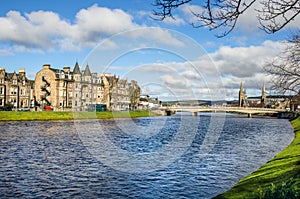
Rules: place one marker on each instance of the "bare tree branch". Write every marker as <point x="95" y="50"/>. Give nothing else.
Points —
<point x="285" y="69"/>
<point x="276" y="14"/>
<point x="217" y="14"/>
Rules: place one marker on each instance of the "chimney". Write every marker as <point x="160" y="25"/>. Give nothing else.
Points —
<point x="46" y="66"/>
<point x="66" y="69"/>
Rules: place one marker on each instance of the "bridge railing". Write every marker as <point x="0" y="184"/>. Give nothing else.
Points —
<point x="225" y="108"/>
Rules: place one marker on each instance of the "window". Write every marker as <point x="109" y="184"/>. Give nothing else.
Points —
<point x="13" y="91"/>
<point x="1" y="90"/>
<point x="75" y="103"/>
<point x="1" y="102"/>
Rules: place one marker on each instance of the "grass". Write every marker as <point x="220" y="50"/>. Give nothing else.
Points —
<point x="278" y="178"/>
<point x="49" y="115"/>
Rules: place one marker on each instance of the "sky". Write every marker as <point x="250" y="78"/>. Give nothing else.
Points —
<point x="170" y="59"/>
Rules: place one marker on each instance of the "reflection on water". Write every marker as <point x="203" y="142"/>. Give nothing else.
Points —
<point x="53" y="159"/>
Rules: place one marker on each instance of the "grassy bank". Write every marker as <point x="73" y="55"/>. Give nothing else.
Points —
<point x="43" y="116"/>
<point x="279" y="178"/>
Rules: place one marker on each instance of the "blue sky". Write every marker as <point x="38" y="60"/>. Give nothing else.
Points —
<point x="170" y="59"/>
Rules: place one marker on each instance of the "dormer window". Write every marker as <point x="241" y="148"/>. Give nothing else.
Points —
<point x="14" y="81"/>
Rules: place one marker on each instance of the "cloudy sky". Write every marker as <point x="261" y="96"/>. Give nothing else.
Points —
<point x="170" y="59"/>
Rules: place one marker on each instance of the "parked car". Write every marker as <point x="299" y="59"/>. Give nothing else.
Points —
<point x="24" y="109"/>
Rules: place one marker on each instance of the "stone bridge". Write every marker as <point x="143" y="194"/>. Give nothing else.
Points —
<point x="244" y="110"/>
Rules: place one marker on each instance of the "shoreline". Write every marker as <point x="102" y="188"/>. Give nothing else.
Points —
<point x="52" y="116"/>
<point x="278" y="178"/>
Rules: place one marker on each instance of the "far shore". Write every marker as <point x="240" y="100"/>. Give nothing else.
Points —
<point x="51" y="115"/>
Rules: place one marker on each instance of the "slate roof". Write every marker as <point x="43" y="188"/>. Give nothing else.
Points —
<point x="76" y="69"/>
<point x="87" y="71"/>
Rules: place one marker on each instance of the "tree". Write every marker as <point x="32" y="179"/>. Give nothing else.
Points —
<point x="272" y="16"/>
<point x="285" y="69"/>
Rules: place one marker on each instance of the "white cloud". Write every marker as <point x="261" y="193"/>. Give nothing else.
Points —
<point x="175" y="20"/>
<point x="189" y="12"/>
<point x="245" y="61"/>
<point x="46" y="30"/>
<point x="5" y="52"/>
<point x="176" y="81"/>
<point x="220" y="78"/>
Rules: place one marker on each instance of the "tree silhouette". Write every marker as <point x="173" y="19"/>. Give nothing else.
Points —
<point x="285" y="69"/>
<point x="273" y="15"/>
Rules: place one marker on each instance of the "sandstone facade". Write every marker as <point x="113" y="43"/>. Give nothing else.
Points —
<point x="76" y="90"/>
<point x="15" y="89"/>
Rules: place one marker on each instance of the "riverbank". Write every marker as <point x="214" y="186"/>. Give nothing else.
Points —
<point x="45" y="115"/>
<point x="278" y="178"/>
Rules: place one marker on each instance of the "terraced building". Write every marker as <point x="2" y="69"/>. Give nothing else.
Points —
<point x="65" y="89"/>
<point x="16" y="90"/>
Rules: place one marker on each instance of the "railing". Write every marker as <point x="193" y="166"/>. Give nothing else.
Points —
<point x="221" y="108"/>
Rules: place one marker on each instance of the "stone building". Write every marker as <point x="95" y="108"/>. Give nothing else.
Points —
<point x="77" y="89"/>
<point x="243" y="101"/>
<point x="15" y="89"/>
<point x="263" y="100"/>
<point x="53" y="87"/>
<point x="119" y="94"/>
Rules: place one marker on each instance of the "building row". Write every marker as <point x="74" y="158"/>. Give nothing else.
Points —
<point x="66" y="89"/>
<point x="288" y="102"/>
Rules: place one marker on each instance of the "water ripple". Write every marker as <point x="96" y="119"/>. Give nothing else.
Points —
<point x="49" y="160"/>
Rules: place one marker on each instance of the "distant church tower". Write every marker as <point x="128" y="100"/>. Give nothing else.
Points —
<point x="242" y="96"/>
<point x="263" y="96"/>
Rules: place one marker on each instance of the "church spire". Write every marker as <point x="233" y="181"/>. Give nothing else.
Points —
<point x="263" y="96"/>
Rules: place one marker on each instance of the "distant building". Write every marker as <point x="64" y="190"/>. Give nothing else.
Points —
<point x="15" y="89"/>
<point x="243" y="100"/>
<point x="295" y="103"/>
<point x="149" y="103"/>
<point x="264" y="101"/>
<point x="76" y="90"/>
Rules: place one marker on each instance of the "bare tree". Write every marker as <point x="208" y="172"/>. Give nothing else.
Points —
<point x="272" y="16"/>
<point x="285" y="69"/>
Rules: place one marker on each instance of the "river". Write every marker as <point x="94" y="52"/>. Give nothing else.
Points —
<point x="153" y="157"/>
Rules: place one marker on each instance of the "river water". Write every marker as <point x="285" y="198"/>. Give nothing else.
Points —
<point x="151" y="157"/>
